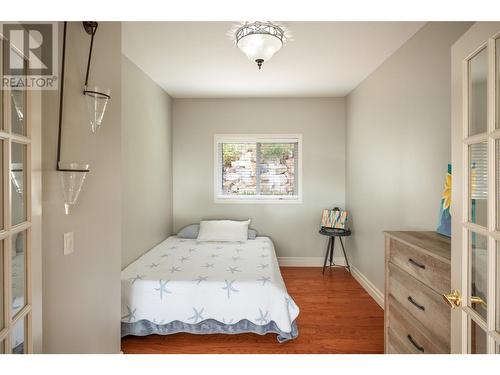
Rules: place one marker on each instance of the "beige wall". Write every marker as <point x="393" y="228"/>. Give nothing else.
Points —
<point x="398" y="144"/>
<point x="81" y="291"/>
<point x="146" y="163"/>
<point x="292" y="227"/>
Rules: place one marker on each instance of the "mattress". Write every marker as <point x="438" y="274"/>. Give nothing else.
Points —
<point x="182" y="285"/>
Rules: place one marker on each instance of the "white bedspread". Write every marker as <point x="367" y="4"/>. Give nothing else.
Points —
<point x="192" y="281"/>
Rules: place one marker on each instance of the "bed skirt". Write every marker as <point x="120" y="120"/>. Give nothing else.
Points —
<point x="209" y="326"/>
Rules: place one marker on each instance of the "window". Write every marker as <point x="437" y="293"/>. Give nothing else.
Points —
<point x="251" y="168"/>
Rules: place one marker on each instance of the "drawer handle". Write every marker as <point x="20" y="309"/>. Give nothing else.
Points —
<point x="417" y="305"/>
<point x="419" y="265"/>
<point x="418" y="347"/>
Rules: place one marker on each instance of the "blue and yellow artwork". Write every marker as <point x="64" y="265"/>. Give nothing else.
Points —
<point x="444" y="225"/>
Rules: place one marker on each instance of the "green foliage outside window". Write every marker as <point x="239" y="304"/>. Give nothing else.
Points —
<point x="276" y="151"/>
<point x="229" y="153"/>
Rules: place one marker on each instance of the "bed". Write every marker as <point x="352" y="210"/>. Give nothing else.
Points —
<point x="182" y="285"/>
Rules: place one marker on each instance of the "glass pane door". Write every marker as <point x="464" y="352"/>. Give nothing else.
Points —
<point x="478" y="190"/>
<point x="18" y="337"/>
<point x="495" y="324"/>
<point x="478" y="263"/>
<point x="18" y="266"/>
<point x="478" y="183"/>
<point x="478" y="91"/>
<point x="497" y="289"/>
<point x="497" y="82"/>
<point x="2" y="292"/>
<point x="18" y="180"/>
<point x="481" y="250"/>
<point x="477" y="339"/>
<point x="18" y="111"/>
<point x="15" y="218"/>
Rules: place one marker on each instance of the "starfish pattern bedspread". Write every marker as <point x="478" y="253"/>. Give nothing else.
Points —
<point x="182" y="280"/>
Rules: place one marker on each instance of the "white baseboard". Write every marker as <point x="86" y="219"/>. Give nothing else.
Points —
<point x="367" y="285"/>
<point x="370" y="288"/>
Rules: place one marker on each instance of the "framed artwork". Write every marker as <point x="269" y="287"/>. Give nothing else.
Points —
<point x="334" y="218"/>
<point x="444" y="223"/>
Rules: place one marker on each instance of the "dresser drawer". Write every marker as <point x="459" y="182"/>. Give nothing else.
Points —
<point x="421" y="302"/>
<point x="395" y="346"/>
<point x="413" y="336"/>
<point x="424" y="267"/>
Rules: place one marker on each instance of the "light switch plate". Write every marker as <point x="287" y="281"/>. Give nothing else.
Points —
<point x="69" y="243"/>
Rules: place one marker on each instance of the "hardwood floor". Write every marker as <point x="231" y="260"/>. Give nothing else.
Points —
<point x="336" y="316"/>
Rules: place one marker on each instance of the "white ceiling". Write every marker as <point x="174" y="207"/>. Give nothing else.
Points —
<point x="199" y="59"/>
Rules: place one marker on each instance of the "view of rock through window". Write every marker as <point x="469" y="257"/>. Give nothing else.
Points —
<point x="259" y="168"/>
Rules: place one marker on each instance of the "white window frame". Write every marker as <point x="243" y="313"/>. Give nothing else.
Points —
<point x="250" y="138"/>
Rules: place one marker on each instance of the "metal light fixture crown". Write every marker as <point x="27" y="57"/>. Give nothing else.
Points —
<point x="260" y="40"/>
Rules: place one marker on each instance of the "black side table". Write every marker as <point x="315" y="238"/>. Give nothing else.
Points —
<point x="333" y="233"/>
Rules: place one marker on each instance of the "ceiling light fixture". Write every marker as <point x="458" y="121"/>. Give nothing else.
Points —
<point x="260" y="40"/>
<point x="73" y="174"/>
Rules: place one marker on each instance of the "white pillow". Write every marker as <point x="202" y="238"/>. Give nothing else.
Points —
<point x="223" y="230"/>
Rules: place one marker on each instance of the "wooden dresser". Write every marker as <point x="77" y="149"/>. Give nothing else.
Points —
<point x="417" y="273"/>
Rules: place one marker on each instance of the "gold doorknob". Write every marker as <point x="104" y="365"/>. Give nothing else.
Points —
<point x="477" y="300"/>
<point x="454" y="299"/>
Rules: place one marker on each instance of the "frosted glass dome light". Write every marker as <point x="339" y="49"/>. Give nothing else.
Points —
<point x="259" y="40"/>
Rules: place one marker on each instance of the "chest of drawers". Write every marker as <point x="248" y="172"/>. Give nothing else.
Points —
<point x="417" y="273"/>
